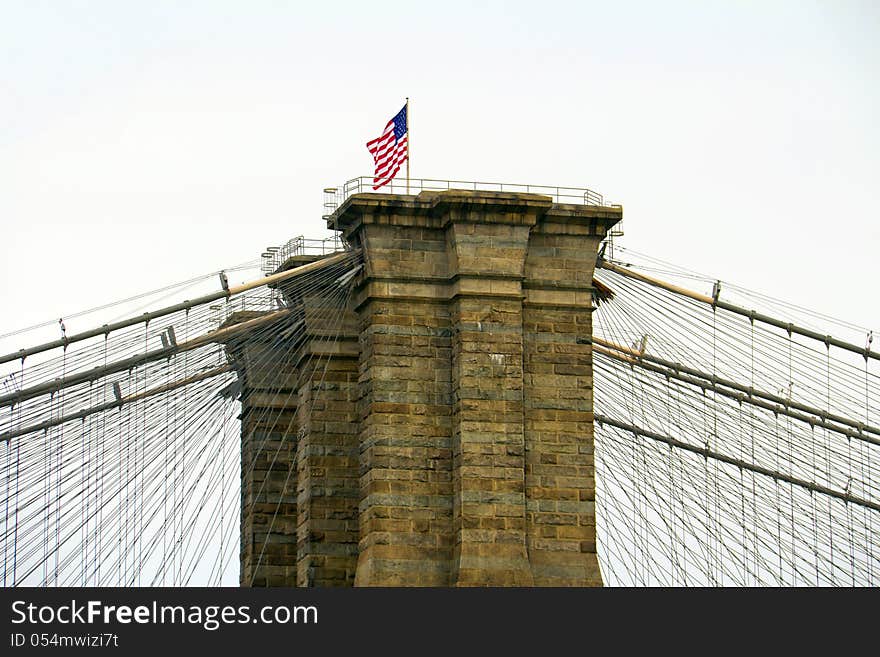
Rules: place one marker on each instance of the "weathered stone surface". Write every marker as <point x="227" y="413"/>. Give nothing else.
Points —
<point x="558" y="407"/>
<point x="327" y="448"/>
<point x="405" y="443"/>
<point x="452" y="444"/>
<point x="268" y="483"/>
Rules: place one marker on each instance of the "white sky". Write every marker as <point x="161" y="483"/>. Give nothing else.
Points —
<point x="144" y="143"/>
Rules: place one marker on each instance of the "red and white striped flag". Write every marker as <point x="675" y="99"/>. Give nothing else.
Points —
<point x="389" y="150"/>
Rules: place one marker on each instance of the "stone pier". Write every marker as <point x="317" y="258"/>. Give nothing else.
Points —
<point x="448" y="440"/>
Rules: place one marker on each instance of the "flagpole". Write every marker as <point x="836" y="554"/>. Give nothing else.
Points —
<point x="408" y="145"/>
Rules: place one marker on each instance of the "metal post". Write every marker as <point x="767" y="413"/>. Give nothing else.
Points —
<point x="408" y="145"/>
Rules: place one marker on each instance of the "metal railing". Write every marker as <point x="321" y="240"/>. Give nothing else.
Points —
<point x="275" y="256"/>
<point x="336" y="196"/>
<point x="262" y="303"/>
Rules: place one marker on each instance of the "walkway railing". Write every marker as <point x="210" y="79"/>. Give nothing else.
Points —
<point x="336" y="196"/>
<point x="275" y="256"/>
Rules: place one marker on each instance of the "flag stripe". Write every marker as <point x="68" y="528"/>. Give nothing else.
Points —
<point x="383" y="158"/>
<point x="390" y="149"/>
<point x="398" y="156"/>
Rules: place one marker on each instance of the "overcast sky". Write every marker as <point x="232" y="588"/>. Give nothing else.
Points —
<point x="144" y="143"/>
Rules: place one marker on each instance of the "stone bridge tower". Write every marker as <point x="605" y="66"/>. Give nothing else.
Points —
<point x="453" y="445"/>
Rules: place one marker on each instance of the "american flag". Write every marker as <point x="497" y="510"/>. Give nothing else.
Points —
<point x="389" y="150"/>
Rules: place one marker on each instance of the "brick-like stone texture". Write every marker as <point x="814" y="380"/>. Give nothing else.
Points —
<point x="327" y="481"/>
<point x="487" y="364"/>
<point x="405" y="444"/>
<point x="558" y="417"/>
<point x="447" y="440"/>
<point x="327" y="446"/>
<point x="405" y="410"/>
<point x="268" y="484"/>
